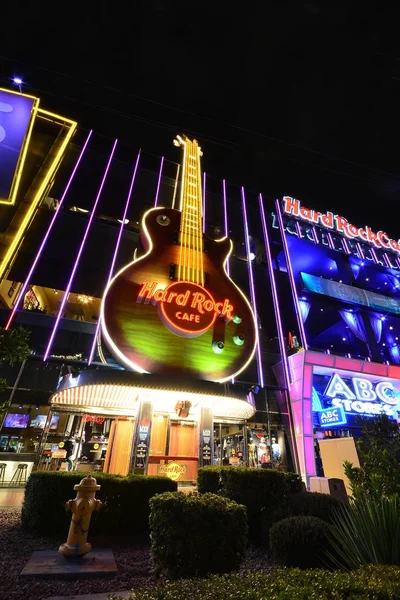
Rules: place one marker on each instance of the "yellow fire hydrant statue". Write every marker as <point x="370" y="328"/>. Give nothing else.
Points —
<point x="82" y="508"/>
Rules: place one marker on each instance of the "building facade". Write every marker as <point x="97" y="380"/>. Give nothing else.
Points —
<point x="159" y="354"/>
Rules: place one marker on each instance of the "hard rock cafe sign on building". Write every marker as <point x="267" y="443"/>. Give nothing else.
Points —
<point x="180" y="326"/>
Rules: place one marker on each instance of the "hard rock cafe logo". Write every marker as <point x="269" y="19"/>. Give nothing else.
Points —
<point x="173" y="470"/>
<point x="186" y="308"/>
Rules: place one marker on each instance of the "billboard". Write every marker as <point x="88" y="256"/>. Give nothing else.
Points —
<point x="17" y="112"/>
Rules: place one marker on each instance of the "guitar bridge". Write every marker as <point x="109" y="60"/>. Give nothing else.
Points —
<point x="192" y="274"/>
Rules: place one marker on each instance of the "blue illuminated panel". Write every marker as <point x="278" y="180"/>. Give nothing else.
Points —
<point x="348" y="293"/>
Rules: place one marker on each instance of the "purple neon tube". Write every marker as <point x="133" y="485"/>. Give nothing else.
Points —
<point x="225" y="218"/>
<point x="114" y="258"/>
<point x="251" y="280"/>
<point x="22" y="291"/>
<point x="204" y="202"/>
<point x="66" y="294"/>
<point x="274" y="290"/>
<point x="291" y="276"/>
<point x="159" y="181"/>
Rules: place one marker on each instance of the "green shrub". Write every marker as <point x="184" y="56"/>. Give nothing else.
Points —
<point x="193" y="536"/>
<point x="367" y="531"/>
<point x="261" y="491"/>
<point x="209" y="480"/>
<point x="311" y="504"/>
<point x="295" y="482"/>
<point x="371" y="583"/>
<point x="125" y="509"/>
<point x="299" y="542"/>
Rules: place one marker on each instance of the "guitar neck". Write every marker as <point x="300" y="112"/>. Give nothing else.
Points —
<point x="191" y="196"/>
<point x="191" y="228"/>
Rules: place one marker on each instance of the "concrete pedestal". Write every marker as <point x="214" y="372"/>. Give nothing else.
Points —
<point x="99" y="563"/>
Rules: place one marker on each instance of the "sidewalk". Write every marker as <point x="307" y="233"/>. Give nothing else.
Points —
<point x="11" y="497"/>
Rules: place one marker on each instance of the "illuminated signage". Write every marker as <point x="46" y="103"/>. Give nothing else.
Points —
<point x="362" y="397"/>
<point x="15" y="124"/>
<point x="339" y="224"/>
<point x="186" y="308"/>
<point x="173" y="470"/>
<point x="332" y="416"/>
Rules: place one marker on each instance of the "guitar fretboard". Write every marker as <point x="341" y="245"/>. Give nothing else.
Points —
<point x="190" y="266"/>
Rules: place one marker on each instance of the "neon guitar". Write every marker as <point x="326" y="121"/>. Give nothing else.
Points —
<point x="174" y="310"/>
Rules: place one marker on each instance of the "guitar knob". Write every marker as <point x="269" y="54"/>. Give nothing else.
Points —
<point x="238" y="339"/>
<point x="163" y="220"/>
<point x="218" y="347"/>
<point x="237" y="319"/>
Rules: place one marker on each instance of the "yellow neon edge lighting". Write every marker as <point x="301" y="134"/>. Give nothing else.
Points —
<point x="21" y="161"/>
<point x="36" y="200"/>
<point x="129" y="364"/>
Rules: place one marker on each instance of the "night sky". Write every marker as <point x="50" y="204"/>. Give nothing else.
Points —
<point x="285" y="97"/>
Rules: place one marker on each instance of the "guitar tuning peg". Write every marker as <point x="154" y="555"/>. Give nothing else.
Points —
<point x="176" y="143"/>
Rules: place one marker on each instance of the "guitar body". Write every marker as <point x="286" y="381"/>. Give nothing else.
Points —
<point x="141" y="335"/>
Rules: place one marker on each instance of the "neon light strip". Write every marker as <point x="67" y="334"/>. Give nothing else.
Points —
<point x="252" y="288"/>
<point x="387" y="261"/>
<point x="38" y="196"/>
<point x="226" y="228"/>
<point x="225" y="219"/>
<point x="281" y="337"/>
<point x="204" y="202"/>
<point x="346" y="246"/>
<point x="298" y="229"/>
<point x="159" y="180"/>
<point x="374" y="256"/>
<point x="291" y="276"/>
<point x="330" y="240"/>
<point x="116" y="249"/>
<point x="360" y="250"/>
<point x="315" y="236"/>
<point x="66" y="294"/>
<point x="22" y="291"/>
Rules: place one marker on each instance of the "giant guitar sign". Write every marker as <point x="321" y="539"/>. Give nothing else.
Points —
<point x="174" y="310"/>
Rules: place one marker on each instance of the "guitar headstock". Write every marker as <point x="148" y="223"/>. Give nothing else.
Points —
<point x="180" y="141"/>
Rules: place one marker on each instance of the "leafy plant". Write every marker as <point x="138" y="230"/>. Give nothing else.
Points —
<point x="14" y="346"/>
<point x="193" y="536"/>
<point x="299" y="542"/>
<point x="379" y="452"/>
<point x="370" y="583"/>
<point x="366" y="531"/>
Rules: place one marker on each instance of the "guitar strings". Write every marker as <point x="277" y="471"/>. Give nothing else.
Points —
<point x="181" y="208"/>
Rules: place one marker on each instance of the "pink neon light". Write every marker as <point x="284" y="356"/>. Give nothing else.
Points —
<point x="309" y="456"/>
<point x="360" y="250"/>
<point x="278" y="319"/>
<point x="226" y="232"/>
<point x="159" y="181"/>
<point x="225" y="218"/>
<point x="110" y="274"/>
<point x="291" y="276"/>
<point x="204" y="202"/>
<point x="330" y="240"/>
<point x="251" y="280"/>
<point x="22" y="291"/>
<point x="66" y="294"/>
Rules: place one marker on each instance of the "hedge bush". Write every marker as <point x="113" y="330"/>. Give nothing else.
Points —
<point x="125" y="509"/>
<point x="261" y="491"/>
<point x="193" y="536"/>
<point x="300" y="542"/>
<point x="312" y="504"/>
<point x="369" y="583"/>
<point x="209" y="480"/>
